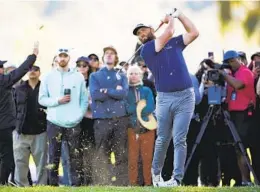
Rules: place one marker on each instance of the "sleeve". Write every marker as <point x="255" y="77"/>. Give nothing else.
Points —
<point x="83" y="97"/>
<point x="44" y="97"/>
<point x="150" y="107"/>
<point x="15" y="75"/>
<point x="246" y="77"/>
<point x="94" y="89"/>
<point x="148" y="52"/>
<point x="178" y="41"/>
<point x="119" y="94"/>
<point x="195" y="84"/>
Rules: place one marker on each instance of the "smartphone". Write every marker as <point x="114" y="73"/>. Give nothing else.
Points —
<point x="210" y="54"/>
<point x="67" y="91"/>
<point x="257" y="64"/>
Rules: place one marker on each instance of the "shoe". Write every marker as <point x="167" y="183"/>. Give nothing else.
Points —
<point x="247" y="184"/>
<point x="157" y="180"/>
<point x="171" y="183"/>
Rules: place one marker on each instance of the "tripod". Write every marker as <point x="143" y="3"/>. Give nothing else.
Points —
<point x="233" y="131"/>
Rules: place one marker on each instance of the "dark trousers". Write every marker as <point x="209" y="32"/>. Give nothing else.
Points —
<point x="56" y="135"/>
<point x="111" y="136"/>
<point x="6" y="154"/>
<point x="87" y="149"/>
<point x="192" y="173"/>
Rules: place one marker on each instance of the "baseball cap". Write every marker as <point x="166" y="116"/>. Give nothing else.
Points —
<point x="84" y="59"/>
<point x="255" y="54"/>
<point x="63" y="51"/>
<point x="230" y="55"/>
<point x="93" y="55"/>
<point x="110" y="48"/>
<point x="140" y="26"/>
<point x="242" y="54"/>
<point x="35" y="68"/>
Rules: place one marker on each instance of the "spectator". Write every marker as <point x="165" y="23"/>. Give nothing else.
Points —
<point x="108" y="91"/>
<point x="243" y="58"/>
<point x="93" y="62"/>
<point x="63" y="92"/>
<point x="30" y="135"/>
<point x="140" y="139"/>
<point x="55" y="62"/>
<point x="87" y="136"/>
<point x="241" y="99"/>
<point x="7" y="114"/>
<point x="124" y="65"/>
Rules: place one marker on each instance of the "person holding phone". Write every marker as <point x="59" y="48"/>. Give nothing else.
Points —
<point x="63" y="92"/>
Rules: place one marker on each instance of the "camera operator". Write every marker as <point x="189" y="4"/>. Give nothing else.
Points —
<point x="241" y="102"/>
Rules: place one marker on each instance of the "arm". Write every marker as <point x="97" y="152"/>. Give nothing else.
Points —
<point x="149" y="103"/>
<point x="192" y="31"/>
<point x="119" y="94"/>
<point x="94" y="89"/>
<point x="195" y="83"/>
<point x="161" y="41"/>
<point x="83" y="97"/>
<point x="44" y="97"/>
<point x="15" y="75"/>
<point x="233" y="82"/>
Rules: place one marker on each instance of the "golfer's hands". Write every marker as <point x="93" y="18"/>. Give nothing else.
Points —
<point x="36" y="48"/>
<point x="167" y="19"/>
<point x="175" y="13"/>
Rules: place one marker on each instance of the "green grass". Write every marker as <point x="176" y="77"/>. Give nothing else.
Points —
<point x="126" y="189"/>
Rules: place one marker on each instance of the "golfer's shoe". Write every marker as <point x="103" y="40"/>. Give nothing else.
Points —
<point x="157" y="180"/>
<point x="171" y="183"/>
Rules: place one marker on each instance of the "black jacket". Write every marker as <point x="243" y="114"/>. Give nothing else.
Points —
<point x="38" y="122"/>
<point x="7" y="105"/>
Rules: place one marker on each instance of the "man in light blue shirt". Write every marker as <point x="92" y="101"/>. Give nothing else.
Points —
<point x="63" y="92"/>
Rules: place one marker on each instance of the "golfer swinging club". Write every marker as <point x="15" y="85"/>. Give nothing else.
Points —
<point x="175" y="99"/>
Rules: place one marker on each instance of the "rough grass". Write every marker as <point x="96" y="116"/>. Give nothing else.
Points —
<point x="126" y="189"/>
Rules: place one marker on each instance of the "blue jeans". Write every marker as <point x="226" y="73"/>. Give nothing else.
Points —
<point x="174" y="112"/>
<point x="65" y="159"/>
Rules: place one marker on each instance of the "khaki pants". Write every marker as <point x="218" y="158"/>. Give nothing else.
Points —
<point x="142" y="144"/>
<point x="24" y="145"/>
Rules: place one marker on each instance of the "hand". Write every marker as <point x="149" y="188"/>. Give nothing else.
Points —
<point x="36" y="48"/>
<point x="119" y="87"/>
<point x="167" y="18"/>
<point x="175" y="13"/>
<point x="65" y="99"/>
<point x="204" y="79"/>
<point x="103" y="90"/>
<point x="256" y="69"/>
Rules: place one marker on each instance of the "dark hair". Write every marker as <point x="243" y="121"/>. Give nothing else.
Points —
<point x="53" y="60"/>
<point x="200" y="71"/>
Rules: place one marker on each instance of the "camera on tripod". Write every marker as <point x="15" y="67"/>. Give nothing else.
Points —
<point x="217" y="91"/>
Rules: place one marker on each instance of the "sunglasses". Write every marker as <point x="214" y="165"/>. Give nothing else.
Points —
<point x="93" y="58"/>
<point x="82" y="65"/>
<point x="64" y="50"/>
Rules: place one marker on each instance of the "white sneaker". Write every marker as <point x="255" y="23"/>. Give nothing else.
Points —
<point x="157" y="180"/>
<point x="171" y="183"/>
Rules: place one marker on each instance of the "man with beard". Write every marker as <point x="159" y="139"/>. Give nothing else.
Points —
<point x="109" y="90"/>
<point x="63" y="92"/>
<point x="8" y="113"/>
<point x="175" y="97"/>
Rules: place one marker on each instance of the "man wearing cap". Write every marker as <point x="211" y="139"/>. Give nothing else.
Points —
<point x="241" y="102"/>
<point x="108" y="90"/>
<point x="29" y="137"/>
<point x="175" y="98"/>
<point x="63" y="92"/>
<point x="8" y="113"/>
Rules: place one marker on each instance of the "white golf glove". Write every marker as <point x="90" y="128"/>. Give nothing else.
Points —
<point x="175" y="13"/>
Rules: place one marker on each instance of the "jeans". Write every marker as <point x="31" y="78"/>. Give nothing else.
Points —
<point x="174" y="112"/>
<point x="65" y="160"/>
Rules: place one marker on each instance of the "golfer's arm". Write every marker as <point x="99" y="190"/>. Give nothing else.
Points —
<point x="192" y="31"/>
<point x="161" y="41"/>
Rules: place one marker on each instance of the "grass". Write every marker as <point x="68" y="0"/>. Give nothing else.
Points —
<point x="126" y="189"/>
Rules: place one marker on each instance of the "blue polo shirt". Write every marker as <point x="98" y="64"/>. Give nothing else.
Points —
<point x="168" y="66"/>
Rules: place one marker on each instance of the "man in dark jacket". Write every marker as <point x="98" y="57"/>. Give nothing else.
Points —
<point x="8" y="114"/>
<point x="108" y="91"/>
<point x="30" y="135"/>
